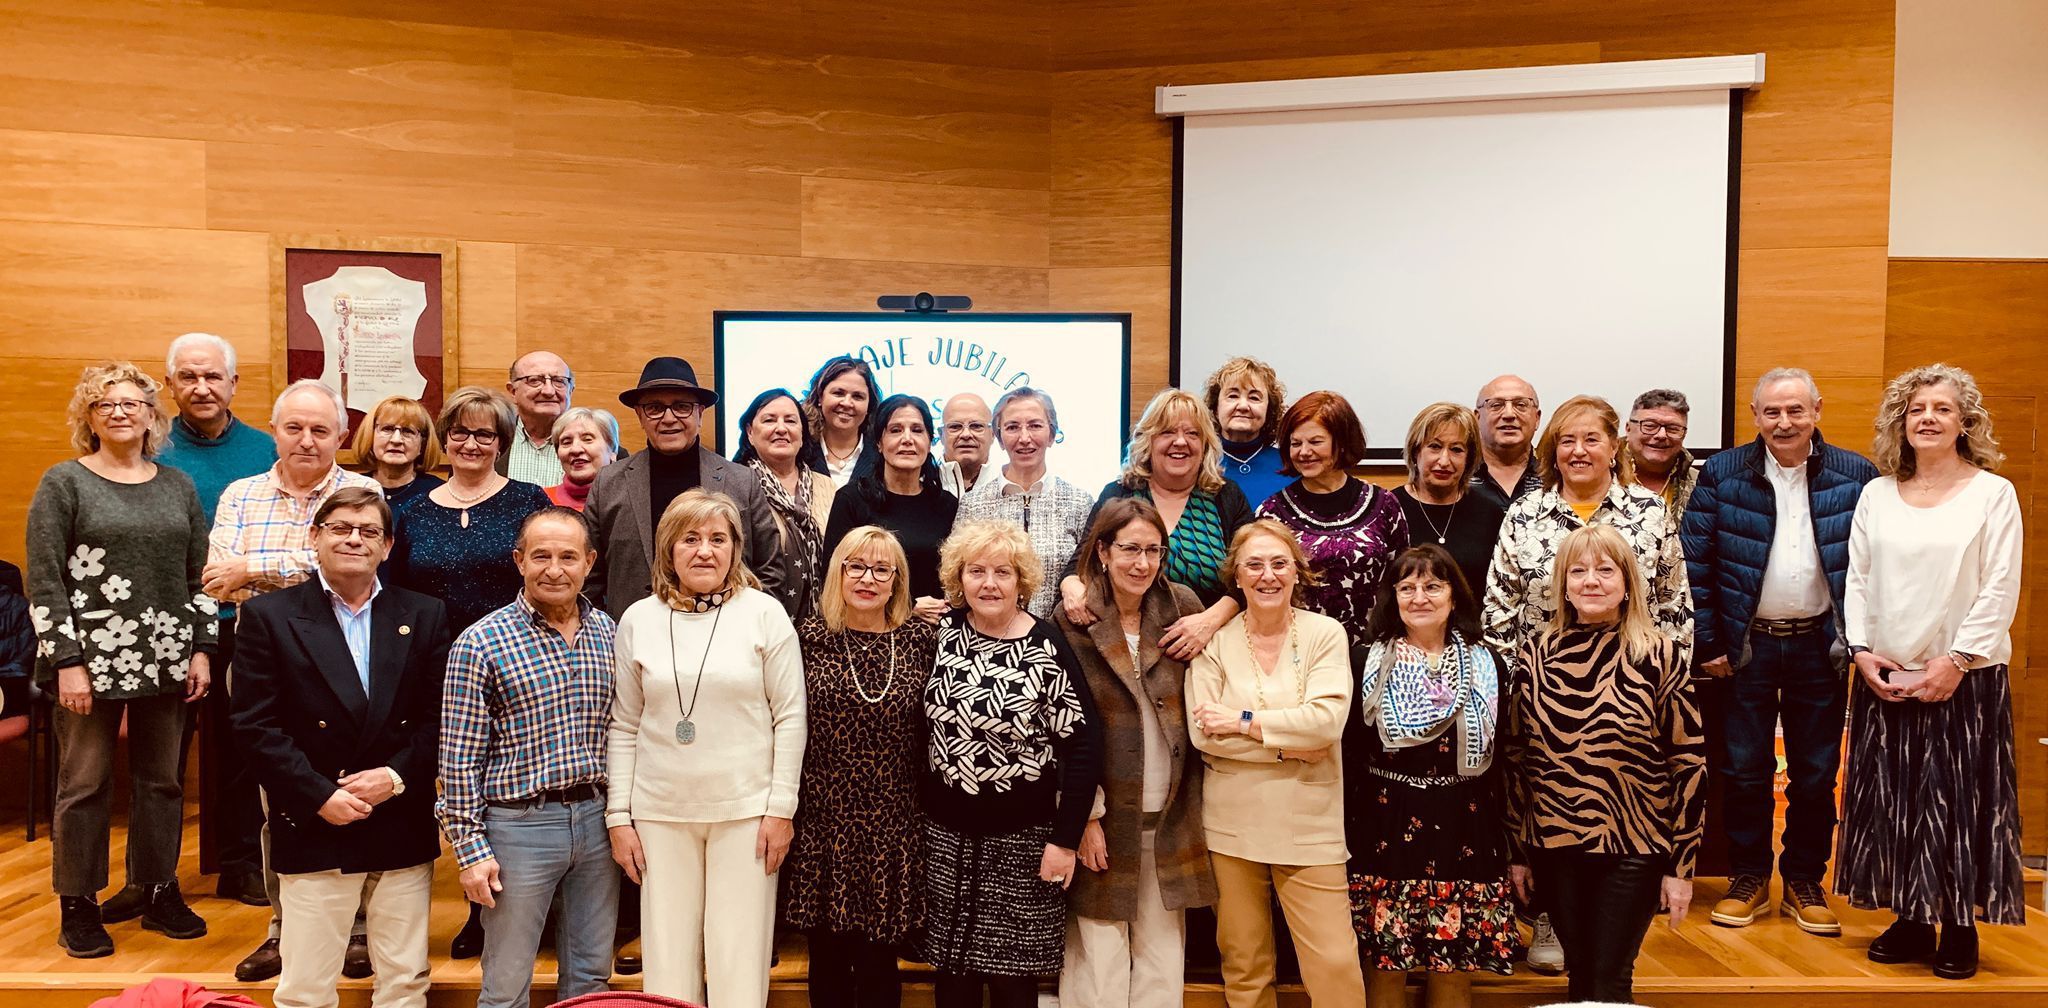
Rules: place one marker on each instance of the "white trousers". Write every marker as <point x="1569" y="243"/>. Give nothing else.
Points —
<point x="1138" y="963"/>
<point x="707" y="913"/>
<point x="317" y="911"/>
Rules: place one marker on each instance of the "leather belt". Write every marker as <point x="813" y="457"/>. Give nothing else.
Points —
<point x="561" y="796"/>
<point x="1789" y="627"/>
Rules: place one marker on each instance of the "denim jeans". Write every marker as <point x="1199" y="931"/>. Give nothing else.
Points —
<point x="1795" y="681"/>
<point x="541" y="847"/>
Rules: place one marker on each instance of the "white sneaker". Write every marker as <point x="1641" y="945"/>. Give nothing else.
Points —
<point x="1546" y="956"/>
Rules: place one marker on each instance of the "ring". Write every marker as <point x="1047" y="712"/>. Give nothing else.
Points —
<point x="1059" y="878"/>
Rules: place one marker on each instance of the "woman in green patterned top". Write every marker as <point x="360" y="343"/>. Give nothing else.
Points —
<point x="1172" y="464"/>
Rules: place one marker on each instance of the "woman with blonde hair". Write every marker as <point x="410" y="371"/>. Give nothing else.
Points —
<point x="395" y="445"/>
<point x="1607" y="760"/>
<point x="116" y="546"/>
<point x="1442" y="453"/>
<point x="1930" y="813"/>
<point x="1267" y="701"/>
<point x="707" y="747"/>
<point x="856" y="874"/>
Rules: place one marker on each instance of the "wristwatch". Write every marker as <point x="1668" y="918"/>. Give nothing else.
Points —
<point x="397" y="782"/>
<point x="1244" y="721"/>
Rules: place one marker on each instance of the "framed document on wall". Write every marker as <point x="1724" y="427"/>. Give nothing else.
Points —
<point x="370" y="317"/>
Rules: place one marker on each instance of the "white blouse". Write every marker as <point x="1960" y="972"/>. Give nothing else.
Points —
<point x="1924" y="581"/>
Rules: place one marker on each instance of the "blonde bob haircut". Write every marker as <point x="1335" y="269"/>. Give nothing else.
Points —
<point x="1639" y="635"/>
<point x="695" y="509"/>
<point x="473" y="401"/>
<point x="875" y="541"/>
<point x="1576" y="410"/>
<point x="1976" y="444"/>
<point x="398" y="411"/>
<point x="1167" y="410"/>
<point x="971" y="540"/>
<point x="1304" y="576"/>
<point x="93" y="384"/>
<point x="1464" y="426"/>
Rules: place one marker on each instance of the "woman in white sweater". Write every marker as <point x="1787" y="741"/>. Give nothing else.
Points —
<point x="1931" y="811"/>
<point x="707" y="748"/>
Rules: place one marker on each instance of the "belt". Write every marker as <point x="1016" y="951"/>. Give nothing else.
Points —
<point x="561" y="796"/>
<point x="1421" y="782"/>
<point x="1789" y="627"/>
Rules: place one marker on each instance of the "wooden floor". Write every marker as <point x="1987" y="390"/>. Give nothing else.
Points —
<point x="1769" y="964"/>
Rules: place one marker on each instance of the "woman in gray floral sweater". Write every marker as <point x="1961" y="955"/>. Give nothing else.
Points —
<point x="116" y="544"/>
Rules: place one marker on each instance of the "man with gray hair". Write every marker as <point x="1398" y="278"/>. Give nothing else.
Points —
<point x="1656" y="444"/>
<point x="540" y="384"/>
<point x="1767" y="554"/>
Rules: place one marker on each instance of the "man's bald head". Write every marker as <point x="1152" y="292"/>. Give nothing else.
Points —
<point x="968" y="428"/>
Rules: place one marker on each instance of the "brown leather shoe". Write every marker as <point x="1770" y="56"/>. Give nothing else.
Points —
<point x="261" y="964"/>
<point x="1748" y="895"/>
<point x="1807" y="905"/>
<point x="355" y="963"/>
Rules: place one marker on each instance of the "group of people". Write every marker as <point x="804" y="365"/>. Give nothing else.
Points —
<point x="971" y="714"/>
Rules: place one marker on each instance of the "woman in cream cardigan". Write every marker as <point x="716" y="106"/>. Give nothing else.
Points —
<point x="707" y="748"/>
<point x="1267" y="700"/>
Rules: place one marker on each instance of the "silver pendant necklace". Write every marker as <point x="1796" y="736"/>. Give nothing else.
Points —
<point x="1244" y="465"/>
<point x="1441" y="533"/>
<point x="686" y="729"/>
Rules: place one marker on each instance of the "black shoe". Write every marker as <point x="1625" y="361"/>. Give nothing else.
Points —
<point x="469" y="942"/>
<point x="1956" y="959"/>
<point x="246" y="886"/>
<point x="627" y="965"/>
<point x="261" y="964"/>
<point x="168" y="913"/>
<point x="81" y="935"/>
<point x="355" y="964"/>
<point x="1904" y="941"/>
<point x="125" y="905"/>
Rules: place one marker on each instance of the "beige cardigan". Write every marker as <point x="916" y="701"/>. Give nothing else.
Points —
<point x="1254" y="805"/>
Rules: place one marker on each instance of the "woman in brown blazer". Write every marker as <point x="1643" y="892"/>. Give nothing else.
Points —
<point x="1143" y="846"/>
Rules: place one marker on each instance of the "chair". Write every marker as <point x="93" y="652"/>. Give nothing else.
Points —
<point x="32" y="724"/>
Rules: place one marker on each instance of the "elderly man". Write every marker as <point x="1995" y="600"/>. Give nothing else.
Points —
<point x="1767" y="553"/>
<point x="338" y="707"/>
<point x="1656" y="444"/>
<point x="263" y="540"/>
<point x="524" y="712"/>
<point x="540" y="384"/>
<point x="1510" y="418"/>
<point x="967" y="428"/>
<point x="627" y="498"/>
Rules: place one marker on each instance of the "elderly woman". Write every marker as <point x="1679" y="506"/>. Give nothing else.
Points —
<point x="707" y="744"/>
<point x="586" y="439"/>
<point x="1245" y="399"/>
<point x="1349" y="529"/>
<point x="1442" y="452"/>
<point x="1011" y="770"/>
<point x="1052" y="511"/>
<point x="395" y="446"/>
<point x="778" y="446"/>
<point x="896" y="486"/>
<point x="1930" y="817"/>
<point x="1422" y="795"/>
<point x="856" y="876"/>
<point x="1605" y="807"/>
<point x="116" y="544"/>
<point x="455" y="543"/>
<point x="840" y="411"/>
<point x="1143" y="848"/>
<point x="1172" y="466"/>
<point x="1266" y="704"/>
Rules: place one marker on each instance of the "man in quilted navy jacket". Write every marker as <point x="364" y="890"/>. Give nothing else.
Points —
<point x="1767" y="552"/>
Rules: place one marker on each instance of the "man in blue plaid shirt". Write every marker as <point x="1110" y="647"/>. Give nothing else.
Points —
<point x="525" y="708"/>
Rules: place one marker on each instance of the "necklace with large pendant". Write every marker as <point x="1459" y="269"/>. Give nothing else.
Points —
<point x="686" y="729"/>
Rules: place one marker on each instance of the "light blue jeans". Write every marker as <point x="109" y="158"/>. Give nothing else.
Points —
<point x="540" y="848"/>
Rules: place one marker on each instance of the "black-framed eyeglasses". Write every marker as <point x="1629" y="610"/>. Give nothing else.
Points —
<point x="342" y="530"/>
<point x="654" y="411"/>
<point x="482" y="437"/>
<point x="1651" y="428"/>
<point x="882" y="573"/>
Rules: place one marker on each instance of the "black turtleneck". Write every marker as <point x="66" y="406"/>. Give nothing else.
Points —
<point x="669" y="475"/>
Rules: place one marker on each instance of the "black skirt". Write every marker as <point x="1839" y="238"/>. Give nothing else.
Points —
<point x="986" y="909"/>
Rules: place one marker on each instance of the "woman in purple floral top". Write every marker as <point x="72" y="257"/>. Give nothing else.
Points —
<point x="1351" y="530"/>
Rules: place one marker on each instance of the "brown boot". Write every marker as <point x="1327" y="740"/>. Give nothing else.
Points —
<point x="1748" y="895"/>
<point x="1808" y="907"/>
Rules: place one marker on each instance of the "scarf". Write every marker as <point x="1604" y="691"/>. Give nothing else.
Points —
<point x="703" y="602"/>
<point x="1398" y="693"/>
<point x="802" y="541"/>
<point x="1195" y="550"/>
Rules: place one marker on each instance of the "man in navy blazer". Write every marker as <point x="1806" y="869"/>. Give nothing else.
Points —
<point x="337" y="706"/>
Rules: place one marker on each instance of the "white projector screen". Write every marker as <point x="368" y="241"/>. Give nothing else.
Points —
<point x="1081" y="361"/>
<point x="1406" y="254"/>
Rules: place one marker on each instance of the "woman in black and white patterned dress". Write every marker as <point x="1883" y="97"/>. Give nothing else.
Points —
<point x="1012" y="769"/>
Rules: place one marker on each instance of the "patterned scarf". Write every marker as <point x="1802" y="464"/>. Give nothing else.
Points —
<point x="1195" y="550"/>
<point x="802" y="540"/>
<point x="1412" y="707"/>
<point x="704" y="602"/>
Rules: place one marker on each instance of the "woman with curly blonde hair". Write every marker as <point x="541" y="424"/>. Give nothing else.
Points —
<point x="116" y="545"/>
<point x="1931" y="822"/>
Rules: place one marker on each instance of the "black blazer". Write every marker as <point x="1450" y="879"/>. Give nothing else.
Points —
<point x="303" y="722"/>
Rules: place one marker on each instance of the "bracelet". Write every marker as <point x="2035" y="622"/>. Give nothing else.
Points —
<point x="1961" y="659"/>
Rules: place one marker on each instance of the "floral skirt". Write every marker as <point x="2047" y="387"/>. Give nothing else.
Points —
<point x="1442" y="927"/>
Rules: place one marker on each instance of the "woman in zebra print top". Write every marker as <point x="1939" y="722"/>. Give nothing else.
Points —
<point x="1605" y="805"/>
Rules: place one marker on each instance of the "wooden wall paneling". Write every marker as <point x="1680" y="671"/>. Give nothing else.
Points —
<point x="1141" y="290"/>
<point x="76" y="289"/>
<point x="928" y="122"/>
<point x="849" y="219"/>
<point x="1131" y="226"/>
<point x="87" y="179"/>
<point x="489" y="272"/>
<point x="1820" y="309"/>
<point x="1816" y="204"/>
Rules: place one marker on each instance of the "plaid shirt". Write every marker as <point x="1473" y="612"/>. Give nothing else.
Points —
<point x="522" y="711"/>
<point x="273" y="529"/>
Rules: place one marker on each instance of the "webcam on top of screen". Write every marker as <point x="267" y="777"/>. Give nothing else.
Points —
<point x="924" y="303"/>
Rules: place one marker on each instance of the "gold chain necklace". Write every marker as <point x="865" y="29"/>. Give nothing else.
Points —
<point x="1293" y="653"/>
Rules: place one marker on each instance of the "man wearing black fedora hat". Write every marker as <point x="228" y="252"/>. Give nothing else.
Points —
<point x="629" y="496"/>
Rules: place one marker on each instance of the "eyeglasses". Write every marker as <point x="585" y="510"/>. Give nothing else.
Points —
<point x="482" y="437"/>
<point x="397" y="433"/>
<point x="1434" y="589"/>
<point x="342" y="530"/>
<point x="108" y="407"/>
<point x="541" y="381"/>
<point x="1519" y="405"/>
<point x="1651" y="428"/>
<point x="882" y="573"/>
<point x="654" y="411"/>
<point x="956" y="427"/>
<point x="1132" y="551"/>
<point x="1015" y="428"/>
<point x="1258" y="567"/>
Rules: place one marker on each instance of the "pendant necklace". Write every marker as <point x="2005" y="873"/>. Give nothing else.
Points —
<point x="853" y="670"/>
<point x="1441" y="533"/>
<point x="1293" y="653"/>
<point x="1244" y="465"/>
<point x="686" y="729"/>
<point x="467" y="501"/>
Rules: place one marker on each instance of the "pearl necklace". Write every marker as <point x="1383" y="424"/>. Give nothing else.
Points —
<point x="853" y="670"/>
